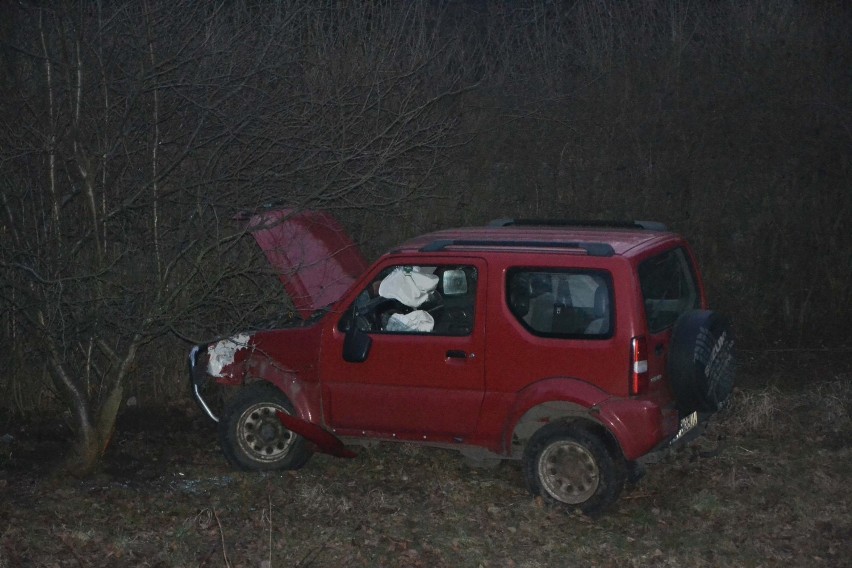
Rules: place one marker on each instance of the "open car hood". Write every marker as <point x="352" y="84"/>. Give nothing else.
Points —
<point x="314" y="256"/>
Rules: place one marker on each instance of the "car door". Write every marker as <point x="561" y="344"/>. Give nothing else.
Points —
<point x="428" y="381"/>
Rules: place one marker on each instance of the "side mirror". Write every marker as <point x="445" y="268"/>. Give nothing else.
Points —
<point x="356" y="345"/>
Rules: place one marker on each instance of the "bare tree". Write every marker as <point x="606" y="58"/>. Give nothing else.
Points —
<point x="133" y="134"/>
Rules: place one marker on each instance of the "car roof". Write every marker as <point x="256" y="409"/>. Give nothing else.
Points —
<point x="591" y="240"/>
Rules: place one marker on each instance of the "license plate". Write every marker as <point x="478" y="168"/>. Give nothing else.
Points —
<point x="687" y="423"/>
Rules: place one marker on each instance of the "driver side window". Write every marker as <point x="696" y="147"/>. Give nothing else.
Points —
<point x="435" y="300"/>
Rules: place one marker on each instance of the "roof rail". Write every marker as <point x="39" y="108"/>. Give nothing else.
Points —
<point x="592" y="249"/>
<point x="647" y="225"/>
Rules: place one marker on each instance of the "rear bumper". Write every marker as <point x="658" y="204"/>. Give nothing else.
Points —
<point x="640" y="426"/>
<point x="199" y="379"/>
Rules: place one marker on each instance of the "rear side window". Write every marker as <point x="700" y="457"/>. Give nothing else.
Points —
<point x="668" y="287"/>
<point x="558" y="303"/>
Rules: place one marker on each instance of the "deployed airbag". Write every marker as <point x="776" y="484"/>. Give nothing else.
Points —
<point x="418" y="320"/>
<point x="409" y="285"/>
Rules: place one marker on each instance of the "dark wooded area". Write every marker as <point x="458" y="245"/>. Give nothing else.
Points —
<point x="132" y="134"/>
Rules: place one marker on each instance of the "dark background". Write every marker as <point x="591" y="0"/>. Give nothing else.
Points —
<point x="131" y="134"/>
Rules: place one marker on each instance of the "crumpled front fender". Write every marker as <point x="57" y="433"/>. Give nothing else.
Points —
<point x="324" y="440"/>
<point x="224" y="355"/>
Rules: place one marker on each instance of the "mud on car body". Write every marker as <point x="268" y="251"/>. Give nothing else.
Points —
<point x="575" y="348"/>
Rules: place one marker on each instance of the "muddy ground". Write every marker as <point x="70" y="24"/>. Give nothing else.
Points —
<point x="767" y="485"/>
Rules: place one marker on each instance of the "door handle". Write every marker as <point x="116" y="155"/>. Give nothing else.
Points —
<point x="659" y="349"/>
<point x="456" y="354"/>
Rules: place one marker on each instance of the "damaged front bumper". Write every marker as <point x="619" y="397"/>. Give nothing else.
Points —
<point x="210" y="363"/>
<point x="199" y="379"/>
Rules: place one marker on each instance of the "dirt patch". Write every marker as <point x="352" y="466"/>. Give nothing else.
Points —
<point x="766" y="485"/>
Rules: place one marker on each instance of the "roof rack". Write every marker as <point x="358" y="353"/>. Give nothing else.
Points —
<point x="592" y="249"/>
<point x="647" y="225"/>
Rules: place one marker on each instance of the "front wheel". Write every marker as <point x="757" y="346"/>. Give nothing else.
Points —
<point x="571" y="467"/>
<point x="251" y="435"/>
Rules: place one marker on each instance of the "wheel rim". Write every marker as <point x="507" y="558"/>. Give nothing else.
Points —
<point x="261" y="435"/>
<point x="568" y="472"/>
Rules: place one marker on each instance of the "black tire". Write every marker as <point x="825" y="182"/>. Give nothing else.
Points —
<point x="701" y="361"/>
<point x="571" y="467"/>
<point x="252" y="437"/>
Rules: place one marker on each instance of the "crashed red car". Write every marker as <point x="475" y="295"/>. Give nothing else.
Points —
<point x="578" y="348"/>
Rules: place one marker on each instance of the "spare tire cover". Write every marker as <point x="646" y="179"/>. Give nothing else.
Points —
<point x="701" y="361"/>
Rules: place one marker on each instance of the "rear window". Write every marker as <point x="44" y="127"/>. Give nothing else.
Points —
<point x="668" y="287"/>
<point x="559" y="303"/>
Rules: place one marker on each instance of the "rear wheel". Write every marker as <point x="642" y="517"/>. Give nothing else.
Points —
<point x="571" y="467"/>
<point x="251" y="435"/>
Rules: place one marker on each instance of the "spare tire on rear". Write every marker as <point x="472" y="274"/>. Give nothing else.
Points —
<point x="701" y="361"/>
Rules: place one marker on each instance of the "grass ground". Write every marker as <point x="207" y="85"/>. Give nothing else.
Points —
<point x="767" y="485"/>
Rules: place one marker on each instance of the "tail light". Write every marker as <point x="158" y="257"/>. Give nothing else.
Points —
<point x="638" y="366"/>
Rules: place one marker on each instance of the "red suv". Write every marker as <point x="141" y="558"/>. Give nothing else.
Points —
<point x="577" y="348"/>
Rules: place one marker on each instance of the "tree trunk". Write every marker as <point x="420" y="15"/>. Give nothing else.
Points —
<point x="84" y="451"/>
<point x="91" y="438"/>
